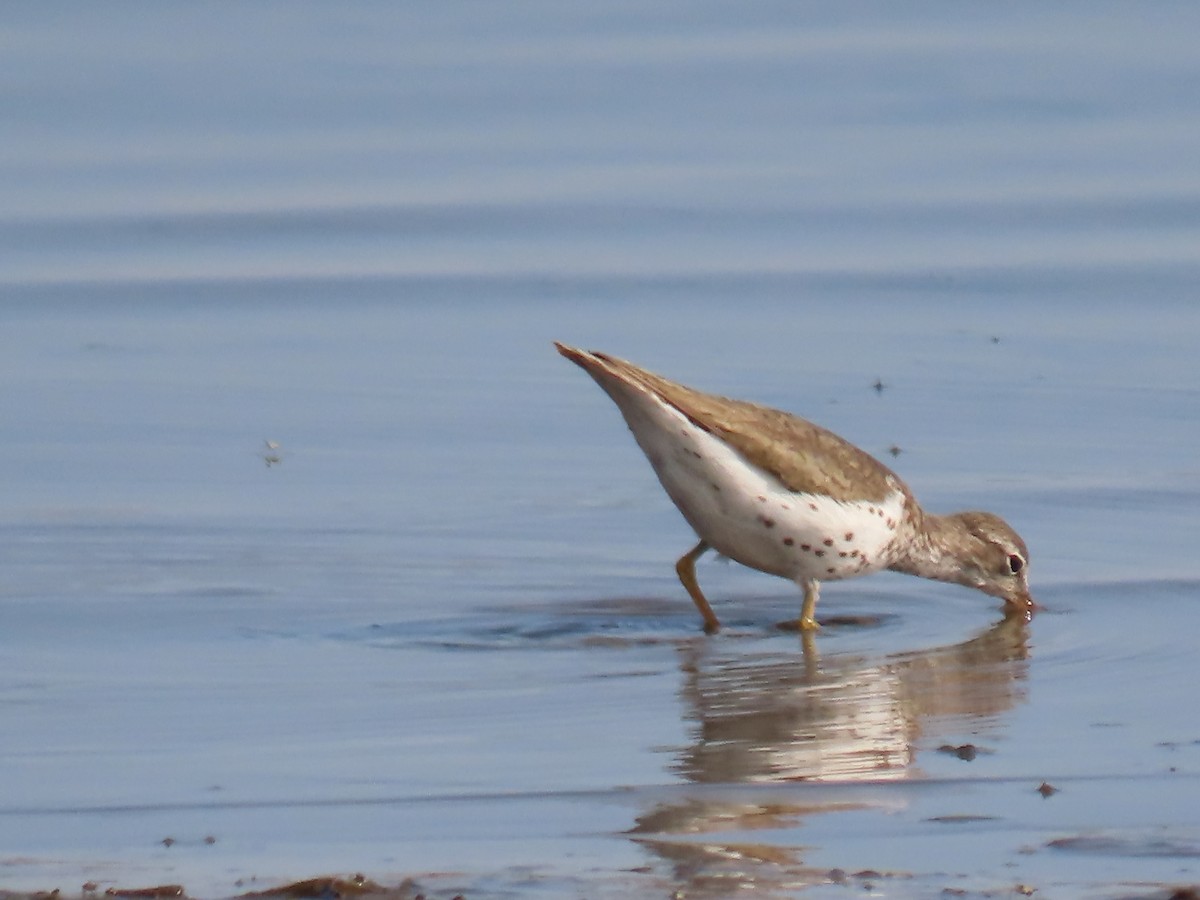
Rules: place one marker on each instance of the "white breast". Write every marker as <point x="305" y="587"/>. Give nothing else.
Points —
<point x="748" y="515"/>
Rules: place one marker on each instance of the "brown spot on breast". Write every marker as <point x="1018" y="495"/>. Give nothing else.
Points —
<point x="770" y="523"/>
<point x="788" y="542"/>
<point x="831" y="570"/>
<point x="716" y="487"/>
<point x="761" y="499"/>
<point x="818" y="552"/>
<point x="870" y="510"/>
<point x="828" y="542"/>
<point x="853" y="554"/>
<point x="891" y="523"/>
<point x="848" y="536"/>
<point x="813" y="507"/>
<point x="806" y="547"/>
<point x="843" y="554"/>
<point x="697" y="455"/>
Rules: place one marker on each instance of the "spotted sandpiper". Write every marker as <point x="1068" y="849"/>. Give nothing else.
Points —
<point x="779" y="494"/>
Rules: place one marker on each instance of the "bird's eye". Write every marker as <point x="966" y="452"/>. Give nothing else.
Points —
<point x="1015" y="563"/>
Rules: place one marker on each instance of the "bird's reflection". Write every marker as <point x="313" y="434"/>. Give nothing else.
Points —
<point x="787" y="718"/>
<point x="778" y="718"/>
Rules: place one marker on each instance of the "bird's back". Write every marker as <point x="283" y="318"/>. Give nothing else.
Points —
<point x="804" y="457"/>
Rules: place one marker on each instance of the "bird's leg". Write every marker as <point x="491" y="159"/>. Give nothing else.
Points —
<point x="812" y="659"/>
<point x="686" y="569"/>
<point x="808" y="612"/>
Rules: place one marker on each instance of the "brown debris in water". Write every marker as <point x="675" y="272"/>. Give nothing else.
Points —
<point x="1046" y="789"/>
<point x="333" y="887"/>
<point x="963" y="751"/>
<point x="151" y="893"/>
<point x="329" y="886"/>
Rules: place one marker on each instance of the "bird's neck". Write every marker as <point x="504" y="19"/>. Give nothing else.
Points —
<point x="936" y="547"/>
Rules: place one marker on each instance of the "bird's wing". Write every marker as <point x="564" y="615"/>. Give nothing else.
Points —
<point x="805" y="457"/>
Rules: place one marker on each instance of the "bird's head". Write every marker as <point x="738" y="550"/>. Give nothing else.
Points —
<point x="995" y="560"/>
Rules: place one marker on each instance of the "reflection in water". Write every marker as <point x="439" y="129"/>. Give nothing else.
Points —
<point x="783" y="718"/>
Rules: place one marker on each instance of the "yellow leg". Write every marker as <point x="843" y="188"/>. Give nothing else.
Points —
<point x="686" y="569"/>
<point x="808" y="612"/>
<point x="808" y="646"/>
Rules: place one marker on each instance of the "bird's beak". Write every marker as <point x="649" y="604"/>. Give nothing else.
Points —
<point x="1022" y="603"/>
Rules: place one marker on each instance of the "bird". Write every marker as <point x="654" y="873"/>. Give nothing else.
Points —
<point x="782" y="495"/>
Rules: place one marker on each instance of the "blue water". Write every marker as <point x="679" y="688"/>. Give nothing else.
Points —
<point x="312" y="545"/>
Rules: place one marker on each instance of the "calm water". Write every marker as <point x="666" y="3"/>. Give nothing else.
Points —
<point x="318" y="559"/>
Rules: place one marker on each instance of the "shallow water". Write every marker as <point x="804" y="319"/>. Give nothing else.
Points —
<point x="312" y="546"/>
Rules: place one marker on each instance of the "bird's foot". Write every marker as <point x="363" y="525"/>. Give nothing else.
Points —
<point x="805" y="624"/>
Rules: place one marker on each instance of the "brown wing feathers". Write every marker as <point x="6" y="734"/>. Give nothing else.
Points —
<point x="803" y="456"/>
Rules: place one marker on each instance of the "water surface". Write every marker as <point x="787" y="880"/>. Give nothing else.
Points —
<point x="318" y="559"/>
